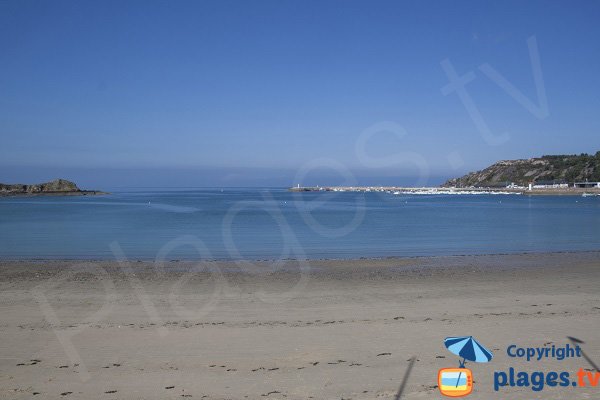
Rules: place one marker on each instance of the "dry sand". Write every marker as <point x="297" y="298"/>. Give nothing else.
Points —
<point x="339" y="329"/>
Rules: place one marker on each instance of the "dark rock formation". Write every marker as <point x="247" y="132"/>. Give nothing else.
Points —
<point x="55" y="187"/>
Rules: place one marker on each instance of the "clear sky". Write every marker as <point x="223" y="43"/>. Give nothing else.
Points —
<point x="222" y="93"/>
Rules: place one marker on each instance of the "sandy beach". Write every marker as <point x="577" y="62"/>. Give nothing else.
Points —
<point x="331" y="329"/>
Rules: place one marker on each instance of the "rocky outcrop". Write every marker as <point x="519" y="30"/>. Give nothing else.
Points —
<point x="56" y="187"/>
<point x="546" y="169"/>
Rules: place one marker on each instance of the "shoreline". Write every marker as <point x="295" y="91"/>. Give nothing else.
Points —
<point x="268" y="261"/>
<point x="308" y="259"/>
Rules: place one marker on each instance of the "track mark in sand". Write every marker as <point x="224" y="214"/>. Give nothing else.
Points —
<point x="440" y="356"/>
<point x="315" y="363"/>
<point x="355" y="364"/>
<point x="246" y="324"/>
<point x="169" y="387"/>
<point x="112" y="365"/>
<point x="258" y="369"/>
<point x="66" y="393"/>
<point x="31" y="362"/>
<point x="231" y="369"/>
<point x="270" y="393"/>
<point x="64" y="366"/>
<point x="273" y="369"/>
<point x="384" y="354"/>
<point x="110" y="391"/>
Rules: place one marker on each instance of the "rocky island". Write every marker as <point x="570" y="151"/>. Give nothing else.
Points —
<point x="57" y="187"/>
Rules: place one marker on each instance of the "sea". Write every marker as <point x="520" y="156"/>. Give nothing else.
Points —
<point x="274" y="223"/>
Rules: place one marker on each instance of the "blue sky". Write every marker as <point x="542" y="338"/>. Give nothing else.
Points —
<point x="249" y="93"/>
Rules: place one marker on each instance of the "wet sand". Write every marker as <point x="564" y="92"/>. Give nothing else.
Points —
<point x="328" y="329"/>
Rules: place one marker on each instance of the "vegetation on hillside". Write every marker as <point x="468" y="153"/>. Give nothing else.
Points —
<point x="545" y="169"/>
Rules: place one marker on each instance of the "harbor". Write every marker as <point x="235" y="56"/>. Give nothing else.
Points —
<point x="548" y="190"/>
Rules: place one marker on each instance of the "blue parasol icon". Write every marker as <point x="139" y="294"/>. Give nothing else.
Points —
<point x="469" y="349"/>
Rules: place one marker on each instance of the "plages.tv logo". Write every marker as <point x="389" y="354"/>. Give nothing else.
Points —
<point x="458" y="382"/>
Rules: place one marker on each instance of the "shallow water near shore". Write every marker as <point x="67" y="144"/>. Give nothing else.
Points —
<point x="275" y="223"/>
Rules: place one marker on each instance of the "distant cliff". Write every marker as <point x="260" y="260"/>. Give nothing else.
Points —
<point x="545" y="169"/>
<point x="55" y="187"/>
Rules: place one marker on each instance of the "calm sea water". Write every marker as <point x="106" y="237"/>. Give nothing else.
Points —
<point x="274" y="223"/>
